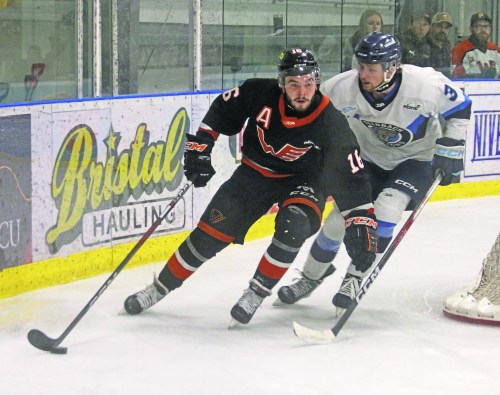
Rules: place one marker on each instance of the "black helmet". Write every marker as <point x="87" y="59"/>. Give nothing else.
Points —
<point x="379" y="48"/>
<point x="297" y="61"/>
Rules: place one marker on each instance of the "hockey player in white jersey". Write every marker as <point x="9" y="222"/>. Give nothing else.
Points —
<point x="395" y="112"/>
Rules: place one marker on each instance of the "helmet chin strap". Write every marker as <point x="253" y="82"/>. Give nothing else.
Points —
<point x="388" y="82"/>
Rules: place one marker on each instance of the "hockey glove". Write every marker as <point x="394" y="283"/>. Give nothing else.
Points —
<point x="489" y="73"/>
<point x="449" y="159"/>
<point x="361" y="239"/>
<point x="197" y="160"/>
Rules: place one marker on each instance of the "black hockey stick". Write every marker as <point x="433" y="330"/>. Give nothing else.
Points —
<point x="31" y="81"/>
<point x="326" y="336"/>
<point x="40" y="340"/>
<point x="4" y="90"/>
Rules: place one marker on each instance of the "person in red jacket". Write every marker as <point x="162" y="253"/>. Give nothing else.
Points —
<point x="476" y="57"/>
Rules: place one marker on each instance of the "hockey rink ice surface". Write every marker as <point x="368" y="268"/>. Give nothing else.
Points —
<point x="396" y="342"/>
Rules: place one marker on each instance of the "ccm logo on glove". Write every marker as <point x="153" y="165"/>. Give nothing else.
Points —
<point x="361" y="239"/>
<point x="450" y="152"/>
<point x="194" y="146"/>
<point x="197" y="160"/>
<point x="361" y="221"/>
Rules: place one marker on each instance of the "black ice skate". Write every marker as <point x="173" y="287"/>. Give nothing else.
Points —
<point x="143" y="300"/>
<point x="347" y="292"/>
<point x="243" y="311"/>
<point x="302" y="288"/>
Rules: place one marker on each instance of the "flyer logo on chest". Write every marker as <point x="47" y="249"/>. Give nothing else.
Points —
<point x="288" y="152"/>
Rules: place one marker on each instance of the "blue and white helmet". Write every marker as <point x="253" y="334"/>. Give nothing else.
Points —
<point x="379" y="48"/>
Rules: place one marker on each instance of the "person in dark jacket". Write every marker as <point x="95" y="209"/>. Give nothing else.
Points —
<point x="416" y="49"/>
<point x="439" y="43"/>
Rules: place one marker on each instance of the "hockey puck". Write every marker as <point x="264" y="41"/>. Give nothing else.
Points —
<point x="59" y="350"/>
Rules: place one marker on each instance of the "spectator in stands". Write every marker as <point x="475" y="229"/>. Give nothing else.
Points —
<point x="416" y="49"/>
<point x="476" y="57"/>
<point x="328" y="51"/>
<point x="370" y="21"/>
<point x="439" y="43"/>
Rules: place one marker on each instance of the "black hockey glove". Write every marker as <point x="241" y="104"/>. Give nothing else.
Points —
<point x="361" y="239"/>
<point x="197" y="161"/>
<point x="449" y="159"/>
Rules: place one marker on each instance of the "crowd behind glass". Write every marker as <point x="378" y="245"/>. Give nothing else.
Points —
<point x="51" y="50"/>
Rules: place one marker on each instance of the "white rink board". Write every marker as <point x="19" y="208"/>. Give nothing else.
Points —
<point x="73" y="212"/>
<point x="77" y="206"/>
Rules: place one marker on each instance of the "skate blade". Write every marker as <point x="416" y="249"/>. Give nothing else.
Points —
<point x="233" y="324"/>
<point x="122" y="311"/>
<point x="278" y="302"/>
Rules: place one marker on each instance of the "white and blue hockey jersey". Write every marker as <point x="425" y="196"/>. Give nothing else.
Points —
<point x="406" y="123"/>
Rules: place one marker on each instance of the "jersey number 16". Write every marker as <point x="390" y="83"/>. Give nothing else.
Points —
<point x="355" y="161"/>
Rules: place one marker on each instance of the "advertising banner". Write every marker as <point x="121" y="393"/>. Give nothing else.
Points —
<point x="110" y="169"/>
<point x="84" y="175"/>
<point x="482" y="154"/>
<point x="15" y="190"/>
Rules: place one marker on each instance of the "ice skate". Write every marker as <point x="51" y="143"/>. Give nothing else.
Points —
<point x="143" y="300"/>
<point x="347" y="292"/>
<point x="302" y="288"/>
<point x="243" y="311"/>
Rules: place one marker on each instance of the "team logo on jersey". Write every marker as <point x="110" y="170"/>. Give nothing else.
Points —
<point x="216" y="216"/>
<point x="288" y="152"/>
<point x="390" y="135"/>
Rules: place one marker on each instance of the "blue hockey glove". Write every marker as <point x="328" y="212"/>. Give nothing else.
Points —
<point x="449" y="159"/>
<point x="197" y="160"/>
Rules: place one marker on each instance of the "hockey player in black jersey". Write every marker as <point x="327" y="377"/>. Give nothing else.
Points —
<point x="297" y="149"/>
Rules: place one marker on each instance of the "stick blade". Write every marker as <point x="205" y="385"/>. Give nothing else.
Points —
<point x="41" y="341"/>
<point x="314" y="336"/>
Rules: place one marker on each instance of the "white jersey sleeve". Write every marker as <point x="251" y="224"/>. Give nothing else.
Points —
<point x="408" y="122"/>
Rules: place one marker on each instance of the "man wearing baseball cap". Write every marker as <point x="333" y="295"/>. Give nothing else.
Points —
<point x="477" y="57"/>
<point x="439" y="42"/>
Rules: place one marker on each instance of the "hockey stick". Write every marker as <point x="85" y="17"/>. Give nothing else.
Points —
<point x="31" y="81"/>
<point x="158" y="34"/>
<point x="40" y="340"/>
<point x="326" y="336"/>
<point x="4" y="90"/>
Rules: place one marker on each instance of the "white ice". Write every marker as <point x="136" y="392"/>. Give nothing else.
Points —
<point x="396" y="342"/>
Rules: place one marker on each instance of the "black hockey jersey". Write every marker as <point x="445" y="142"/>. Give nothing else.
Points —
<point x="279" y="142"/>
